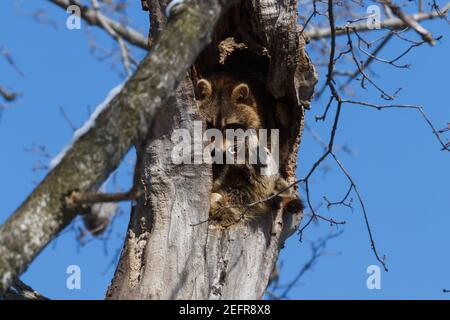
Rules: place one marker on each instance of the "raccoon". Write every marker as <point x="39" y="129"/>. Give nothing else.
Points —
<point x="228" y="103"/>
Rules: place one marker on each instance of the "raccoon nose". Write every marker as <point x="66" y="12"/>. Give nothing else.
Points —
<point x="213" y="152"/>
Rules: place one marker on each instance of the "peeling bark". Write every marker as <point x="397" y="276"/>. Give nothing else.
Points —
<point x="167" y="254"/>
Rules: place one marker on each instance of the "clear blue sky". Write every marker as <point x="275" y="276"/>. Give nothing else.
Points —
<point x="396" y="161"/>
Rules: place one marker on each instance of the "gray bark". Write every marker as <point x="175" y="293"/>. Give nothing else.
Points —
<point x="97" y="153"/>
<point x="167" y="254"/>
<point x="21" y="291"/>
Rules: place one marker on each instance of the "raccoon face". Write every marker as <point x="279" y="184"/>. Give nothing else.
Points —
<point x="229" y="106"/>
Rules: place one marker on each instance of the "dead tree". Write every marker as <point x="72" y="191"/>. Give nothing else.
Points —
<point x="167" y="253"/>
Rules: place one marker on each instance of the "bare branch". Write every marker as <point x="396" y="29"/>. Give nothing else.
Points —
<point x="96" y="18"/>
<point x="317" y="251"/>
<point x="110" y="30"/>
<point x="330" y="149"/>
<point x="409" y="21"/>
<point x="78" y="198"/>
<point x="370" y="59"/>
<point x="8" y="96"/>
<point x="21" y="291"/>
<point x="361" y="71"/>
<point x="390" y="23"/>
<point x="382" y="260"/>
<point x="436" y="132"/>
<point x="67" y="119"/>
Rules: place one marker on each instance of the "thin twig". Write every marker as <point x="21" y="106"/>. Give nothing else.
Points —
<point x="7" y="95"/>
<point x="390" y="23"/>
<point x="317" y="251"/>
<point x="399" y="106"/>
<point x="92" y="17"/>
<point x="409" y="21"/>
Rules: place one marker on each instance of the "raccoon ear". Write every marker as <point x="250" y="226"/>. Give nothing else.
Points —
<point x="203" y="89"/>
<point x="240" y="93"/>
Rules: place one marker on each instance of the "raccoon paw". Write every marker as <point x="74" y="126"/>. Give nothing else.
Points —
<point x="221" y="213"/>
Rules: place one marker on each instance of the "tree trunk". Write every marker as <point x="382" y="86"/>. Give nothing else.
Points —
<point x="168" y="253"/>
<point x="100" y="145"/>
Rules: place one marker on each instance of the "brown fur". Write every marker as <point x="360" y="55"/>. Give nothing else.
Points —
<point x="224" y="103"/>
